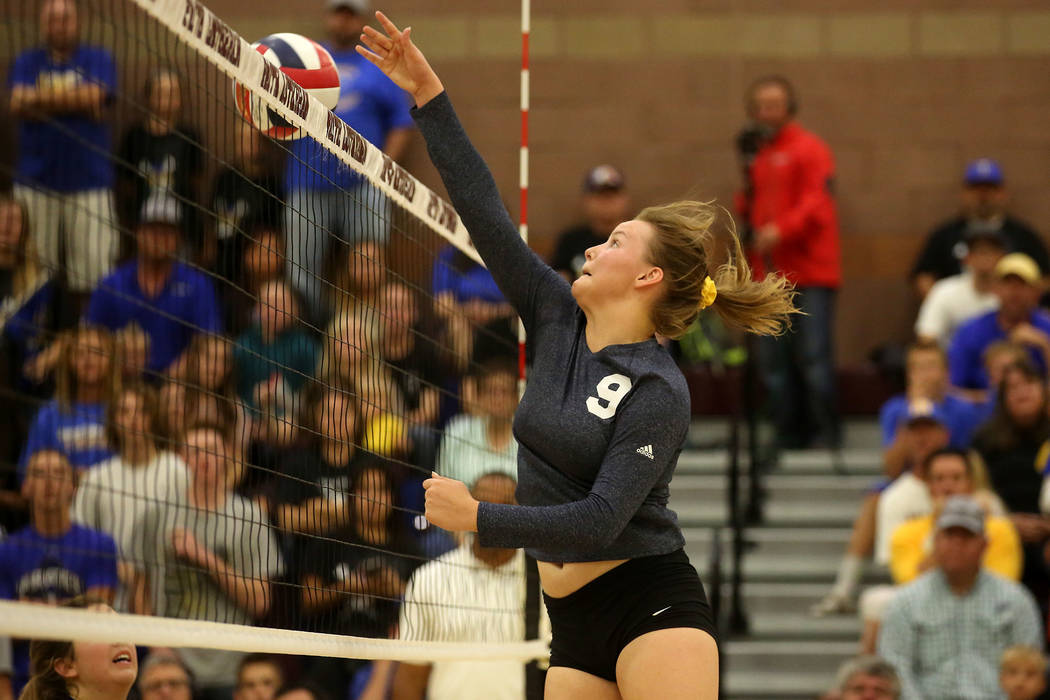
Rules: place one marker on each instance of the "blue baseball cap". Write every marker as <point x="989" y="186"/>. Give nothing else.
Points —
<point x="983" y="171"/>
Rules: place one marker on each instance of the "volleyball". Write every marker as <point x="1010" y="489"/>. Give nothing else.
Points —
<point x="304" y="61"/>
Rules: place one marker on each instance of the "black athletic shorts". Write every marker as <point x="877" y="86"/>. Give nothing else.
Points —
<point x="592" y="625"/>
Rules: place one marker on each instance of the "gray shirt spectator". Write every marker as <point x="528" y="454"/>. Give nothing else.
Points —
<point x="210" y="558"/>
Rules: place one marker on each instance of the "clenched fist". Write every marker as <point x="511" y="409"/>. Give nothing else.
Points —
<point x="449" y="504"/>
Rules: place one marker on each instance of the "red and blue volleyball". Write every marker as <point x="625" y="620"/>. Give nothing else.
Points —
<point x="303" y="60"/>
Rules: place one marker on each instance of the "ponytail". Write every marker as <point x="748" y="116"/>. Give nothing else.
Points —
<point x="686" y="233"/>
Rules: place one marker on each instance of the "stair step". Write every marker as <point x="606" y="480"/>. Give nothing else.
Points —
<point x="777" y="487"/>
<point x="767" y="685"/>
<point x="789" y="656"/>
<point x="787" y="514"/>
<point x="861" y="460"/>
<point x="776" y="540"/>
<point x="811" y="498"/>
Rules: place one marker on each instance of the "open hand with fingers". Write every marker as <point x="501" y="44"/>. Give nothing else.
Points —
<point x="396" y="55"/>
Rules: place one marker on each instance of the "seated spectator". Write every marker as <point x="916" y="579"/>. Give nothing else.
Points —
<point x="160" y="156"/>
<point x="956" y="299"/>
<point x="465" y="288"/>
<point x="952" y="473"/>
<point x="1022" y="673"/>
<point x="208" y="556"/>
<point x="210" y="395"/>
<point x="311" y="492"/>
<point x="259" y="677"/>
<point x="358" y="285"/>
<point x="276" y="347"/>
<point x="908" y="496"/>
<point x="263" y="262"/>
<point x="865" y="678"/>
<point x="471" y="594"/>
<point x="948" y="473"/>
<point x="247" y="199"/>
<point x="168" y="299"/>
<point x="133" y="350"/>
<point x="1018" y="286"/>
<point x="74" y="422"/>
<point x="163" y="676"/>
<point x="926" y="377"/>
<point x="997" y="358"/>
<point x="356" y="575"/>
<point x="946" y="631"/>
<point x="411" y="348"/>
<point x="922" y="433"/>
<point x="1011" y="445"/>
<point x="206" y="393"/>
<point x="482" y="442"/>
<point x="116" y="494"/>
<point x="351" y="357"/>
<point x="27" y="305"/>
<point x="465" y="296"/>
<point x="984" y="199"/>
<point x="605" y="204"/>
<point x="53" y="560"/>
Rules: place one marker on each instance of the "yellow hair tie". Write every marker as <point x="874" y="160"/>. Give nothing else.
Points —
<point x="708" y="293"/>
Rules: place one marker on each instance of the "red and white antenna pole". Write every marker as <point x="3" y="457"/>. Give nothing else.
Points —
<point x="523" y="165"/>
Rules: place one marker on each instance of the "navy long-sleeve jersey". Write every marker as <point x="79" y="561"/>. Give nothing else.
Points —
<point x="599" y="432"/>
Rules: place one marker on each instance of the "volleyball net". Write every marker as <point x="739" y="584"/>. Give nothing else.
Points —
<point x="230" y="358"/>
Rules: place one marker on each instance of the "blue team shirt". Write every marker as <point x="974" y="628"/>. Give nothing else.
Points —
<point x="79" y="434"/>
<point x="965" y="353"/>
<point x="370" y="103"/>
<point x="53" y="569"/>
<point x="66" y="153"/>
<point x="475" y="283"/>
<point x="185" y="306"/>
<point x="962" y="417"/>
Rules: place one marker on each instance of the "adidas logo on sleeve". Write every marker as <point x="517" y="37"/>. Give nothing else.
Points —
<point x="646" y="450"/>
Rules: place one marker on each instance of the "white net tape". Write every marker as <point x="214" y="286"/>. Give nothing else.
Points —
<point x="198" y="27"/>
<point x="44" y="622"/>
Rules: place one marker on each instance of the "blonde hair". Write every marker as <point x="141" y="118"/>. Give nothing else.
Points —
<point x="1023" y="654"/>
<point x="686" y="235"/>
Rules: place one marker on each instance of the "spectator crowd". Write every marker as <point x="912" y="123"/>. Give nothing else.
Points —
<point x="227" y="394"/>
<point x="227" y="378"/>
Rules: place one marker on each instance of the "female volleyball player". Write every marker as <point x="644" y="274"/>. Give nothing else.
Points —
<point x="603" y="418"/>
<point x="60" y="670"/>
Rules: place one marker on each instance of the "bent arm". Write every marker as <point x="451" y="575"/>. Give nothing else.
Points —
<point x="625" y="479"/>
<point x="250" y="594"/>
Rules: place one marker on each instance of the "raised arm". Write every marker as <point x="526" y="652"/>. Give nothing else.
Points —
<point x="521" y="275"/>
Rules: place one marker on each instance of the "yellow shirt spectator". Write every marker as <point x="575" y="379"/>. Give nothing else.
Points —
<point x="910" y="546"/>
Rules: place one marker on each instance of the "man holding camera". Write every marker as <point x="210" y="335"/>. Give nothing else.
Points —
<point x="792" y="229"/>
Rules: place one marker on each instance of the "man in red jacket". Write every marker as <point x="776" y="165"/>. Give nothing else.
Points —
<point x="790" y="211"/>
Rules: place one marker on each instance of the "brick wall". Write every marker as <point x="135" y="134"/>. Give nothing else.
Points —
<point x="905" y="92"/>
